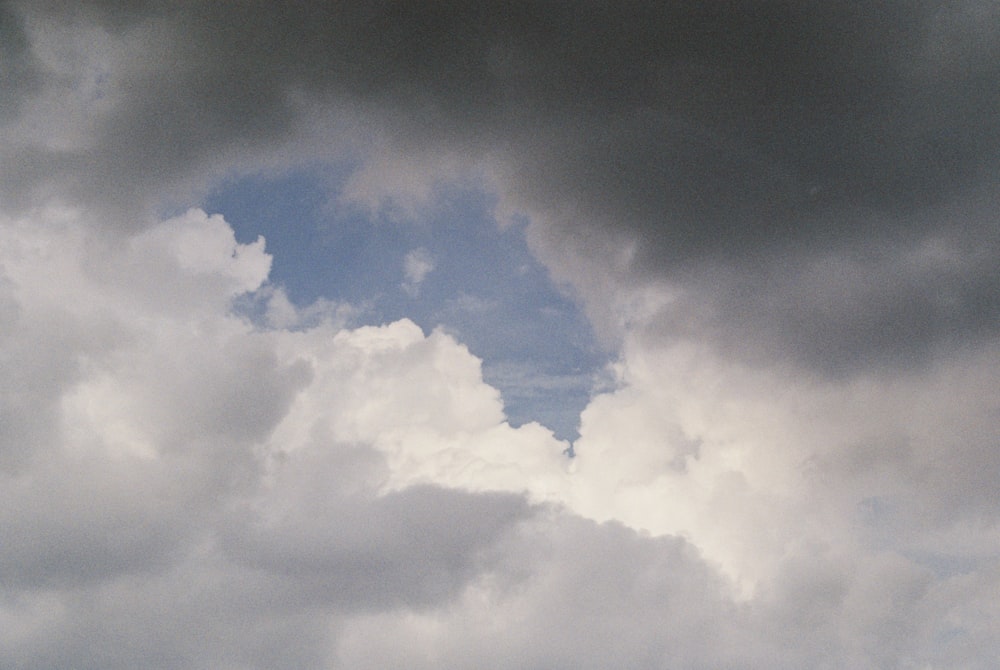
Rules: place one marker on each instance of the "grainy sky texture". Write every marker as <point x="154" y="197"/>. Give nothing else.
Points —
<point x="499" y="335"/>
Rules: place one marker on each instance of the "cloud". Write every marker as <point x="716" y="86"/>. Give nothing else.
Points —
<point x="731" y="149"/>
<point x="194" y="488"/>
<point x="748" y="464"/>
<point x="417" y="264"/>
<point x="780" y="216"/>
<point x="176" y="453"/>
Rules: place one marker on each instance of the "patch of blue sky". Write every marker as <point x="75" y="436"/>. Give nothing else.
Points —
<point x="483" y="285"/>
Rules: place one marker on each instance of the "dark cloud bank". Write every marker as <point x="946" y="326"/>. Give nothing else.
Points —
<point x="749" y="150"/>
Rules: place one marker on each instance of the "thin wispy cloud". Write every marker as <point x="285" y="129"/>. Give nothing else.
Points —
<point x="417" y="264"/>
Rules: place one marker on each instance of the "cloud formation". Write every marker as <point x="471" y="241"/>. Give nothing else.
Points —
<point x="738" y="154"/>
<point x="782" y="217"/>
<point x="347" y="498"/>
<point x="175" y="443"/>
<point x="417" y="264"/>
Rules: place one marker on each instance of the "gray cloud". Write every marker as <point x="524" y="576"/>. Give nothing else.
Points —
<point x="19" y="75"/>
<point x="742" y="137"/>
<point x="417" y="547"/>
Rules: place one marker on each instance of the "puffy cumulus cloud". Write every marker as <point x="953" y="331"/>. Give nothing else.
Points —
<point x="600" y="595"/>
<point x="420" y="401"/>
<point x="594" y="595"/>
<point x="103" y="381"/>
<point x="182" y="488"/>
<point x="754" y="466"/>
<point x="757" y="466"/>
<point x="194" y="488"/>
<point x="790" y="521"/>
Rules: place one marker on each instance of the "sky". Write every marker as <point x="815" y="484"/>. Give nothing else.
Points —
<point x="520" y="335"/>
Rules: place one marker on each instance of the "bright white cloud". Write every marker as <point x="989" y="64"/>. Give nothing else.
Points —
<point x="160" y="448"/>
<point x="750" y="464"/>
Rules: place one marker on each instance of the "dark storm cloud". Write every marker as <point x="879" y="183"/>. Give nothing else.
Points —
<point x="724" y="139"/>
<point x="18" y="70"/>
<point x="669" y="104"/>
<point x="873" y="301"/>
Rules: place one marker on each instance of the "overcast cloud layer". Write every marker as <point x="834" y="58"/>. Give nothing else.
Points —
<point x="780" y="216"/>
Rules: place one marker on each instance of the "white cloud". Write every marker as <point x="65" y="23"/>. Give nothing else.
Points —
<point x="180" y="483"/>
<point x="416" y="266"/>
<point x="162" y="449"/>
<point x="750" y="463"/>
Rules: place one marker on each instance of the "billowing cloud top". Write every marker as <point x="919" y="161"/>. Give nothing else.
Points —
<point x="781" y="217"/>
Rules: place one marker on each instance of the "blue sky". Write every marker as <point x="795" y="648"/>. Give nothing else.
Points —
<point x="485" y="287"/>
